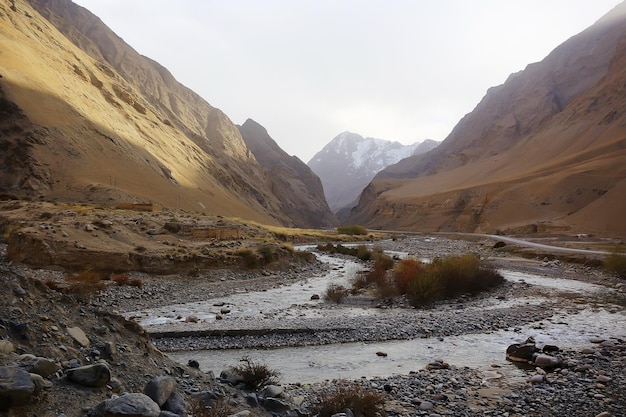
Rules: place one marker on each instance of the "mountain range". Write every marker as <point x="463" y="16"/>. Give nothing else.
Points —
<point x="545" y="151"/>
<point x="349" y="162"/>
<point x="85" y="118"/>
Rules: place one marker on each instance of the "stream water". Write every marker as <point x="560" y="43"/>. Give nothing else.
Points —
<point x="566" y="329"/>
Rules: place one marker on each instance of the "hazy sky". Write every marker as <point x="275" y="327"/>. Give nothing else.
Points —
<point x="308" y="70"/>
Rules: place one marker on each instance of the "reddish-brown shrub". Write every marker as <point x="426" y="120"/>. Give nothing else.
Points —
<point x="406" y="271"/>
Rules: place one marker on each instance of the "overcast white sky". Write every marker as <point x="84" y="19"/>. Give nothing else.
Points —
<point x="308" y="70"/>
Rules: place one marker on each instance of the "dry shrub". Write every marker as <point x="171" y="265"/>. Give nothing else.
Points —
<point x="615" y="263"/>
<point x="256" y="375"/>
<point x="406" y="271"/>
<point x="52" y="284"/>
<point x="446" y="277"/>
<point x="123" y="279"/>
<point x="215" y="407"/>
<point x="85" y="283"/>
<point x="354" y="229"/>
<point x="120" y="279"/>
<point x="335" y="293"/>
<point x="136" y="282"/>
<point x="361" y="401"/>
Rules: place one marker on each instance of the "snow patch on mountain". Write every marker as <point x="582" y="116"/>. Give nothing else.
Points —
<point x="349" y="162"/>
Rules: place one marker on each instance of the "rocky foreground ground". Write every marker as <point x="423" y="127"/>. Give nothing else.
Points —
<point x="88" y="358"/>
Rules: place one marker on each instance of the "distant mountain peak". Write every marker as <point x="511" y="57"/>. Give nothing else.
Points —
<point x="349" y="162"/>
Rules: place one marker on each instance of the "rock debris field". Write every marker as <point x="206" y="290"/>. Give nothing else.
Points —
<point x="586" y="381"/>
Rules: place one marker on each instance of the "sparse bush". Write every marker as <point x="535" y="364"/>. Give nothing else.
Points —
<point x="446" y="277"/>
<point x="256" y="375"/>
<point x="361" y="401"/>
<point x="45" y="215"/>
<point x="267" y="253"/>
<point x="248" y="257"/>
<point x="615" y="263"/>
<point x="335" y="293"/>
<point x="85" y="283"/>
<point x="199" y="406"/>
<point x="363" y="253"/>
<point x="359" y="281"/>
<point x="352" y="230"/>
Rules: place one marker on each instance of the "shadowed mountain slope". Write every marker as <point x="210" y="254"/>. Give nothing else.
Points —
<point x="544" y="151"/>
<point x="86" y="118"/>
<point x="298" y="189"/>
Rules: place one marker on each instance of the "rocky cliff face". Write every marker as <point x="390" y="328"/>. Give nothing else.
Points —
<point x="292" y="182"/>
<point x="86" y="118"/>
<point x="544" y="150"/>
<point x="349" y="162"/>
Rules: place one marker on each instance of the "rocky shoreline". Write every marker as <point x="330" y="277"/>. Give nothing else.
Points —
<point x="587" y="382"/>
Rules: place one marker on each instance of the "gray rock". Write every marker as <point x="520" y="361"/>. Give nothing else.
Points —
<point x="536" y="379"/>
<point x="97" y="375"/>
<point x="276" y="405"/>
<point x="79" y="336"/>
<point x="273" y="391"/>
<point x="546" y="361"/>
<point x="176" y="404"/>
<point x="231" y="375"/>
<point x="41" y="366"/>
<point x="426" y="406"/>
<point x="160" y="389"/>
<point x="135" y="405"/>
<point x="40" y="382"/>
<point x="165" y="413"/>
<point x="243" y="413"/>
<point x="6" y="347"/>
<point x="252" y="399"/>
<point x="16" y="387"/>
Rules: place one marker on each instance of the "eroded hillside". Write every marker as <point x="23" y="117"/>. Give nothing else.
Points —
<point x="544" y="151"/>
<point x="86" y="118"/>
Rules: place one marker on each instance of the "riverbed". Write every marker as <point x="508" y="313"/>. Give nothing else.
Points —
<point x="309" y="340"/>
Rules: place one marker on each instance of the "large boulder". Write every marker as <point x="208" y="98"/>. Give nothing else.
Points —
<point x="97" y="375"/>
<point x="160" y="388"/>
<point x="128" y="405"/>
<point x="16" y="387"/>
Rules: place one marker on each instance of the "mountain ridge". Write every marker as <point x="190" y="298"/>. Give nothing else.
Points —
<point x="289" y="178"/>
<point x="537" y="153"/>
<point x="88" y="119"/>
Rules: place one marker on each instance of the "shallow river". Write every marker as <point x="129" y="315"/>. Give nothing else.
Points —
<point x="355" y="360"/>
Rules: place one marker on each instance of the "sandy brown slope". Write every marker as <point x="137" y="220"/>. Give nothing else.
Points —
<point x="544" y="151"/>
<point x="75" y="128"/>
